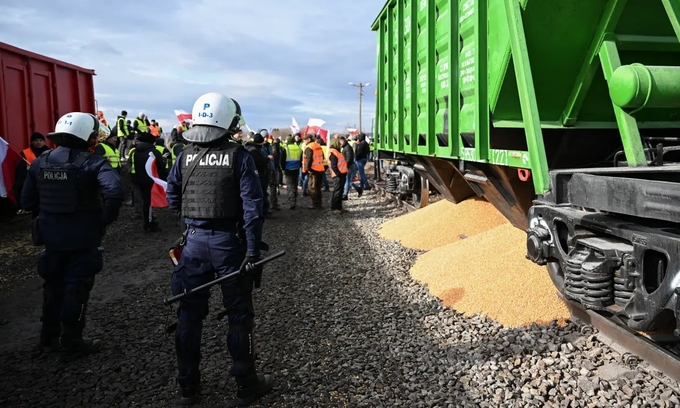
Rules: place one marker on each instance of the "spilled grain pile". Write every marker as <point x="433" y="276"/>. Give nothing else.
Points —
<point x="489" y="274"/>
<point x="442" y="223"/>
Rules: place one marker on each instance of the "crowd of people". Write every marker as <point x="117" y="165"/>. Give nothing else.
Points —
<point x="294" y="162"/>
<point x="222" y="181"/>
<point x="304" y="163"/>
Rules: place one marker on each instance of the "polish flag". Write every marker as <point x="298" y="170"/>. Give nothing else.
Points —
<point x="182" y="115"/>
<point x="324" y="135"/>
<point x="158" y="199"/>
<point x="9" y="160"/>
<point x="314" y="127"/>
<point x="295" y="127"/>
<point x="316" y="122"/>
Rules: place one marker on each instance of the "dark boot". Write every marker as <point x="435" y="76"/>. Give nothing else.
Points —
<point x="345" y="198"/>
<point x="49" y="345"/>
<point x="51" y="323"/>
<point x="190" y="394"/>
<point x="73" y="345"/>
<point x="360" y="191"/>
<point x="253" y="388"/>
<point x="188" y="348"/>
<point x="81" y="348"/>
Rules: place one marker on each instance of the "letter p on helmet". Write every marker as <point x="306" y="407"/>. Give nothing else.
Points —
<point x="206" y="106"/>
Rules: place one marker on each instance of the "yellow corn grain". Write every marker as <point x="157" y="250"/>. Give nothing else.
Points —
<point x="489" y="274"/>
<point x="442" y="223"/>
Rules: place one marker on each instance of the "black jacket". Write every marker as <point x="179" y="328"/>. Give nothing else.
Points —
<point x="363" y="150"/>
<point x="141" y="156"/>
<point x="348" y="152"/>
<point x="261" y="162"/>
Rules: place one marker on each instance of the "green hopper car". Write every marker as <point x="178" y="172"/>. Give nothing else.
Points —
<point x="565" y="115"/>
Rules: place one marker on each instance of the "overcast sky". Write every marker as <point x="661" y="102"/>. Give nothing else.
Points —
<point x="277" y="58"/>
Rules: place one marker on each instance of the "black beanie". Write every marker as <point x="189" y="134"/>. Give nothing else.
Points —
<point x="37" y="136"/>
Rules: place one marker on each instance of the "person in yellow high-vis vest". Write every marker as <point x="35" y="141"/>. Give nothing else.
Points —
<point x="164" y="151"/>
<point x="175" y="150"/>
<point x="123" y="133"/>
<point x="291" y="157"/>
<point x="107" y="149"/>
<point x="140" y="126"/>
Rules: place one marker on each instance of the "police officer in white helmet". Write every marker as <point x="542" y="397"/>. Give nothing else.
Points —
<point x="216" y="186"/>
<point x="74" y="194"/>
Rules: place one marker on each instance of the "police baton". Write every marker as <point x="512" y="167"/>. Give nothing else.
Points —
<point x="249" y="267"/>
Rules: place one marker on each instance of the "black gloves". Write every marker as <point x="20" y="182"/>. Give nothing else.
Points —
<point x="256" y="271"/>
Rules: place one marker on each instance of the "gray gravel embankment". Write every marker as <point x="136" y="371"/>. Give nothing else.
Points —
<point x="340" y="323"/>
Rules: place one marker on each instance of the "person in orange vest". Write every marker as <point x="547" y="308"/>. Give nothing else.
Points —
<point x="312" y="165"/>
<point x="339" y="170"/>
<point x="36" y="148"/>
<point x="154" y="129"/>
<point x="100" y="116"/>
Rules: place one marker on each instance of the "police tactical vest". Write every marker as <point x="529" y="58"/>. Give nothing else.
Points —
<point x="65" y="189"/>
<point x="212" y="190"/>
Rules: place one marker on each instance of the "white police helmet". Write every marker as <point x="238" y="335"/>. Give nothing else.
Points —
<point x="81" y="125"/>
<point x="214" y="109"/>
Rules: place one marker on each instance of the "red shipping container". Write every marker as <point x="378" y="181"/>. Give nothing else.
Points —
<point x="35" y="91"/>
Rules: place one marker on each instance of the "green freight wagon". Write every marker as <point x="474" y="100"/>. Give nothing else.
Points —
<point x="565" y="114"/>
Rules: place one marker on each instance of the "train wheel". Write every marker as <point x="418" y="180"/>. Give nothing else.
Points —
<point x="556" y="275"/>
<point x="422" y="186"/>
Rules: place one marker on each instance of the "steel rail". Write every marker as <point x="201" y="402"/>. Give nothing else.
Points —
<point x="635" y="343"/>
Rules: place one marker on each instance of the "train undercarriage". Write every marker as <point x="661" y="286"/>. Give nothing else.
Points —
<point x="609" y="237"/>
<point x="611" y="242"/>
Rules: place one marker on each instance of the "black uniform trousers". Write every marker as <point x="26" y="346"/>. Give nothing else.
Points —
<point x="69" y="278"/>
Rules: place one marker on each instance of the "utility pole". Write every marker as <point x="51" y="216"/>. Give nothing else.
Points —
<point x="361" y="87"/>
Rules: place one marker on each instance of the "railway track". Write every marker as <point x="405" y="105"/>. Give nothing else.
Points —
<point x="655" y="350"/>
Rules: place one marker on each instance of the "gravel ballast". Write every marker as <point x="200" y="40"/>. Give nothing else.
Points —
<point x="340" y="323"/>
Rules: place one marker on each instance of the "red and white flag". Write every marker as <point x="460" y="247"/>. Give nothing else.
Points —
<point x="352" y="131"/>
<point x="158" y="199"/>
<point x="314" y="126"/>
<point x="9" y="160"/>
<point x="323" y="133"/>
<point x="295" y="127"/>
<point x="182" y="115"/>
